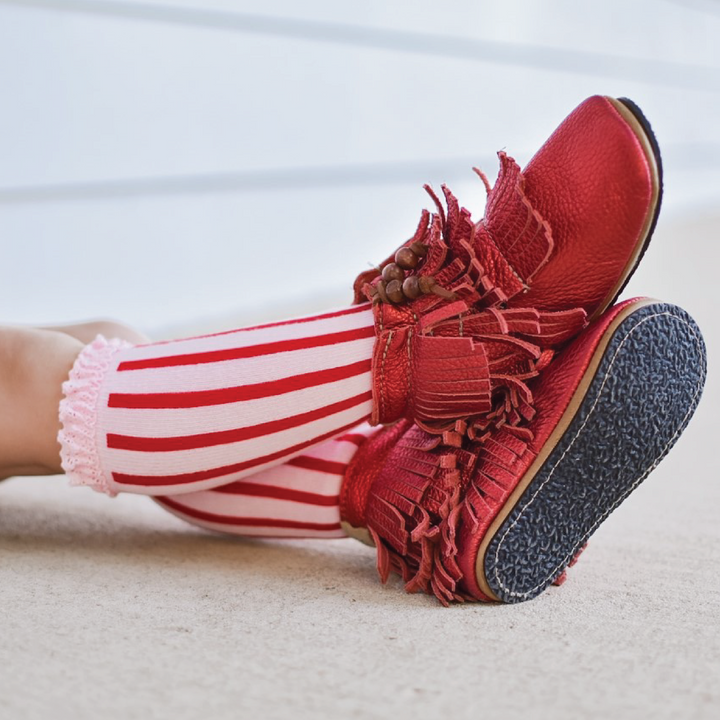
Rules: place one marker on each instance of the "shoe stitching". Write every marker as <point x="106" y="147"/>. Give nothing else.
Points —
<point x="655" y="463"/>
<point x="410" y="363"/>
<point x="382" y="371"/>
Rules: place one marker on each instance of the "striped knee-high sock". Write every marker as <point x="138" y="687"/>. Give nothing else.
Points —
<point x="300" y="498"/>
<point x="186" y="415"/>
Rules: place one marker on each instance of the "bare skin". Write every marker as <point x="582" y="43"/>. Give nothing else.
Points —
<point x="34" y="362"/>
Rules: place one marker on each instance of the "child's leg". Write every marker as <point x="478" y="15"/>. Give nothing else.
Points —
<point x="86" y="332"/>
<point x="296" y="499"/>
<point x="26" y="354"/>
<point x="33" y="365"/>
<point x="180" y="416"/>
<point x="300" y="498"/>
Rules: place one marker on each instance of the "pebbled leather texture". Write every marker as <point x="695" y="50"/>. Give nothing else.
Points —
<point x="364" y="468"/>
<point x="593" y="184"/>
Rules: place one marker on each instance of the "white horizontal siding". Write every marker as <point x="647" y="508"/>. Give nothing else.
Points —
<point x="161" y="171"/>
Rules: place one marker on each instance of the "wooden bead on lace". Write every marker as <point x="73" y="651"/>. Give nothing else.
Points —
<point x="406" y="258"/>
<point x="393" y="272"/>
<point x="394" y="291"/>
<point x="411" y="287"/>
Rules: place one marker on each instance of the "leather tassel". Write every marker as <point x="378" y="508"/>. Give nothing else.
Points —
<point x="415" y="523"/>
<point x="521" y="234"/>
<point x="440" y="360"/>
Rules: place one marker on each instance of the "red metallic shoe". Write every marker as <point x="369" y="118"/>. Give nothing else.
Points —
<point x="500" y="517"/>
<point x="467" y="313"/>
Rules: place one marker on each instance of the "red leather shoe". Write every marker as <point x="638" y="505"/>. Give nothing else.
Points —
<point x="466" y="313"/>
<point x="499" y="518"/>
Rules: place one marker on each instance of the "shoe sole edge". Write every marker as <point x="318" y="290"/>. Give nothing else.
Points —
<point x="546" y="509"/>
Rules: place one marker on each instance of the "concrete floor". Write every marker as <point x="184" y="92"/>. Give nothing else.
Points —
<point x="113" y="609"/>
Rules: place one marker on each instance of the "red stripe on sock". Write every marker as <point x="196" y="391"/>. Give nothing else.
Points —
<point x="224" y="437"/>
<point x="318" y="464"/>
<point x="246" y="522"/>
<point x="200" y="475"/>
<point x="279" y="346"/>
<point x="240" y="487"/>
<point x="222" y="396"/>
<point x="352" y="310"/>
<point x="294" y="321"/>
<point x="354" y="438"/>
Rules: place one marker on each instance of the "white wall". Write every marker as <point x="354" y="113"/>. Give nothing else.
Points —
<point x="172" y="161"/>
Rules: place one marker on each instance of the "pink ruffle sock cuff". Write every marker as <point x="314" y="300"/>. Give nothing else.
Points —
<point x="79" y="434"/>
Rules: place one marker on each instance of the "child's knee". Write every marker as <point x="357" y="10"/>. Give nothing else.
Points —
<point x="114" y="329"/>
<point x="88" y="331"/>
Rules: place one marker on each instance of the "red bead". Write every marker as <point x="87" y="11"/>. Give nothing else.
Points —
<point x="393" y="272"/>
<point x="411" y="287"/>
<point x="394" y="291"/>
<point x="406" y="258"/>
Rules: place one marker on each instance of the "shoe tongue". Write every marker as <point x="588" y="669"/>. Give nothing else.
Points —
<point x="518" y="231"/>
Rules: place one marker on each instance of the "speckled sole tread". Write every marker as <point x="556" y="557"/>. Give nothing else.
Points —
<point x="641" y="397"/>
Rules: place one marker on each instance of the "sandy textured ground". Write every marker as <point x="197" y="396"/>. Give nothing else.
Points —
<point x="111" y="608"/>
